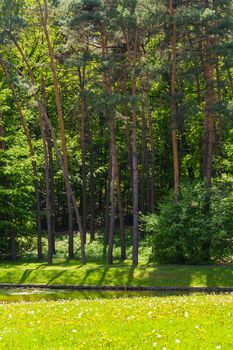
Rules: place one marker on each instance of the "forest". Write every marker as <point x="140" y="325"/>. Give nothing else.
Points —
<point x="116" y="125"/>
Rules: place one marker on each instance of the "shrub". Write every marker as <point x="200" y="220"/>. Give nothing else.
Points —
<point x="197" y="229"/>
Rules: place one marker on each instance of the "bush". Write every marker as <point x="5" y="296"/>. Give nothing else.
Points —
<point x="198" y="229"/>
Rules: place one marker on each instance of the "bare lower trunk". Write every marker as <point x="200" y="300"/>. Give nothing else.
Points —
<point x="219" y="131"/>
<point x="209" y="103"/>
<point x="112" y="212"/>
<point x="92" y="184"/>
<point x="145" y="174"/>
<point x="173" y="103"/>
<point x="135" y="175"/>
<point x="81" y="74"/>
<point x="47" y="186"/>
<point x="152" y="177"/>
<point x="13" y="245"/>
<point x="121" y="217"/>
<point x="107" y="205"/>
<point x="52" y="193"/>
<point x="44" y="17"/>
<point x="114" y="180"/>
<point x="58" y="152"/>
<point x="49" y="154"/>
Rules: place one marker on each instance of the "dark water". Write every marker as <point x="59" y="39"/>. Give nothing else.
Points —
<point x="18" y="294"/>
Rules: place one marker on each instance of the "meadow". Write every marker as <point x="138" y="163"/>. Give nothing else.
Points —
<point x="98" y="272"/>
<point x="169" y="322"/>
<point x="195" y="321"/>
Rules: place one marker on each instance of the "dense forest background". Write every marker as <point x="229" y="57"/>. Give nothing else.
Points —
<point x="117" y="114"/>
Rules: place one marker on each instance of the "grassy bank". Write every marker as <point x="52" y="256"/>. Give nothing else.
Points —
<point x="63" y="272"/>
<point x="191" y="322"/>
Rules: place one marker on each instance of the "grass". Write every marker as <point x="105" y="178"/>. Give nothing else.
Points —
<point x="174" y="322"/>
<point x="97" y="272"/>
<point x="63" y="272"/>
<point x="195" y="321"/>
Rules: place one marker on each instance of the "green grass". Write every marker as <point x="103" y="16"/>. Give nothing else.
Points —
<point x="187" y="322"/>
<point x="119" y="274"/>
<point x="97" y="272"/>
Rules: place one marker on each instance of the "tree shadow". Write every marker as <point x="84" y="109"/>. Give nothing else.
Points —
<point x="103" y="276"/>
<point x="131" y="275"/>
<point x="56" y="276"/>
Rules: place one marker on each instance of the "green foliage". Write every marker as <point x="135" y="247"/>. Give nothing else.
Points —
<point x="197" y="229"/>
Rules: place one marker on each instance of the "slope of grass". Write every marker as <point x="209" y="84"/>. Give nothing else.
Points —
<point x="190" y="322"/>
<point x="119" y="274"/>
<point x="97" y="272"/>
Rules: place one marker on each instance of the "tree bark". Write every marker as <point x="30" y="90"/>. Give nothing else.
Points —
<point x="152" y="146"/>
<point x="115" y="180"/>
<point x="50" y="160"/>
<point x="145" y="191"/>
<point x="173" y="102"/>
<point x="209" y="102"/>
<point x="81" y="74"/>
<point x="92" y="181"/>
<point x="44" y="17"/>
<point x="135" y="173"/>
<point x="58" y="152"/>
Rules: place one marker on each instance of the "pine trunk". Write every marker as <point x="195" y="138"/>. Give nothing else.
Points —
<point x="60" y="156"/>
<point x="173" y="103"/>
<point x="209" y="102"/>
<point x="135" y="174"/>
<point x="152" y="152"/>
<point x="44" y="16"/>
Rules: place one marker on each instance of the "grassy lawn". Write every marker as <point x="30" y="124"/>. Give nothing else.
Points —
<point x="119" y="274"/>
<point x="97" y="272"/>
<point x="174" y="322"/>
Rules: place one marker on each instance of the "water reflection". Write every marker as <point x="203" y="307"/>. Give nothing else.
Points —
<point x="31" y="294"/>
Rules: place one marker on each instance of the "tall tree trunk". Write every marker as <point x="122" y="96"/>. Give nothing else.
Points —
<point x="121" y="215"/>
<point x="173" y="102"/>
<point x="219" y="131"/>
<point x="115" y="180"/>
<point x="50" y="160"/>
<point x="152" y="146"/>
<point x="92" y="181"/>
<point x="135" y="172"/>
<point x="132" y="51"/>
<point x="81" y="74"/>
<point x="13" y="245"/>
<point x="127" y="132"/>
<point x="209" y="102"/>
<point x="145" y="173"/>
<point x="60" y="156"/>
<point x="47" y="183"/>
<point x="44" y="17"/>
<point x="107" y="206"/>
<point x="112" y="192"/>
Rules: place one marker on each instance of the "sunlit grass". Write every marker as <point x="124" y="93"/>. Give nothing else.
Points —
<point x="98" y="272"/>
<point x="187" y="322"/>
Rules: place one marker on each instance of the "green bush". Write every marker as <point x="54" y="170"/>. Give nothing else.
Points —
<point x="198" y="229"/>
